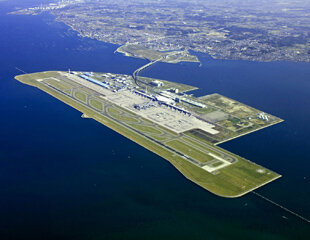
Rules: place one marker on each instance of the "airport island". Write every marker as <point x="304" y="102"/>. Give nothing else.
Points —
<point x="162" y="117"/>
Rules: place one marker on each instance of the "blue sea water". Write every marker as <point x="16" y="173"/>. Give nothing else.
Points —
<point x="64" y="177"/>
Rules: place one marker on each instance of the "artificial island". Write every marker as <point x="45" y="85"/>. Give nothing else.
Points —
<point x="164" y="118"/>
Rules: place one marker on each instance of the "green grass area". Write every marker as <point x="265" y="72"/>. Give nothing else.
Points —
<point x="60" y="86"/>
<point x="122" y="117"/>
<point x="162" y="129"/>
<point x="114" y="111"/>
<point x="41" y="75"/>
<point x="232" y="181"/>
<point x="146" y="129"/>
<point x="216" y="164"/>
<point x="125" y="118"/>
<point x="159" y="138"/>
<point x="96" y="104"/>
<point x="80" y="96"/>
<point x="190" y="151"/>
<point x="201" y="146"/>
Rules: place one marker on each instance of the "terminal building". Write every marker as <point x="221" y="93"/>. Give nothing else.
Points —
<point x="95" y="81"/>
<point x="194" y="103"/>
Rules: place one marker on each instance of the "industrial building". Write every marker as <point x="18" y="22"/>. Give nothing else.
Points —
<point x="263" y="116"/>
<point x="157" y="83"/>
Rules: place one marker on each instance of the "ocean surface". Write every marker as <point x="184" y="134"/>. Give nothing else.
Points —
<point x="64" y="177"/>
